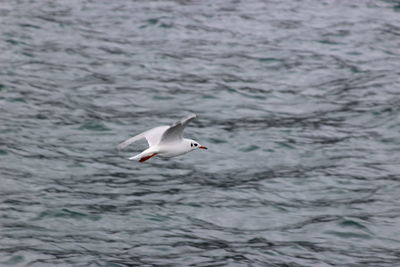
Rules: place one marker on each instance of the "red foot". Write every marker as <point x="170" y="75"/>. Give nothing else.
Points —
<point x="147" y="157"/>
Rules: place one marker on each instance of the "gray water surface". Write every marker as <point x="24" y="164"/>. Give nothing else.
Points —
<point x="298" y="102"/>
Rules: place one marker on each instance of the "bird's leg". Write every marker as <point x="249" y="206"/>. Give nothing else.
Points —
<point x="147" y="157"/>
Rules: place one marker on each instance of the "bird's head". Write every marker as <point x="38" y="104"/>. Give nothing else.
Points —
<point x="194" y="145"/>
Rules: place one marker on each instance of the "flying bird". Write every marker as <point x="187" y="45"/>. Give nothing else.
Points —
<point x="165" y="141"/>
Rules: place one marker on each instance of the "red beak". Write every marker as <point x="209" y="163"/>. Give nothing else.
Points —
<point x="202" y="147"/>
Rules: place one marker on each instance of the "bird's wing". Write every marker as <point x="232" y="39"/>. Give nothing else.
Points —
<point x="153" y="137"/>
<point x="175" y="131"/>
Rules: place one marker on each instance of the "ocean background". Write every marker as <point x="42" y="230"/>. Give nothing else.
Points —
<point x="297" y="101"/>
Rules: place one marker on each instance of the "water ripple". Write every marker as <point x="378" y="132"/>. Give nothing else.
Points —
<point x="297" y="102"/>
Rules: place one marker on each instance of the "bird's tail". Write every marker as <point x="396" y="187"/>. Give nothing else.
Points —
<point x="137" y="157"/>
<point x="145" y="155"/>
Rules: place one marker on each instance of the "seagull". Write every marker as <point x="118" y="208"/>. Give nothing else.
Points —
<point x="164" y="141"/>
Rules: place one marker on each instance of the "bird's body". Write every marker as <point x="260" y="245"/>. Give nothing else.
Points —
<point x="164" y="141"/>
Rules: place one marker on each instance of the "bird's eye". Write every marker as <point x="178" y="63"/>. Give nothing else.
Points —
<point x="191" y="144"/>
<point x="195" y="144"/>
